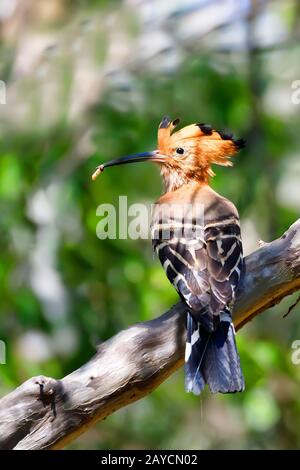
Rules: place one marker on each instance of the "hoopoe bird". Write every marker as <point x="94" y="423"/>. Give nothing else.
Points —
<point x="196" y="234"/>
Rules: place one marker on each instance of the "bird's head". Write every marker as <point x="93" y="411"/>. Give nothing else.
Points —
<point x="187" y="154"/>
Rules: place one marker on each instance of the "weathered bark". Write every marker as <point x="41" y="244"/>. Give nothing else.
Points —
<point x="44" y="413"/>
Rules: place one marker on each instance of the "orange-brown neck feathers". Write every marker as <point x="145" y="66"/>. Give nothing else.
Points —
<point x="192" y="150"/>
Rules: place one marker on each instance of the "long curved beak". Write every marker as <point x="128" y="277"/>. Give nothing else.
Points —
<point x="153" y="156"/>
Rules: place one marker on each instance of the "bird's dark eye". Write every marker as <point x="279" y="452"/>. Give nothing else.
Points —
<point x="180" y="150"/>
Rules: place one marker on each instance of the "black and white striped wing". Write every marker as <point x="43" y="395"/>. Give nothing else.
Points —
<point x="205" y="271"/>
<point x="225" y="263"/>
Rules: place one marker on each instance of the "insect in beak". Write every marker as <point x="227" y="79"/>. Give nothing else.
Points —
<point x="153" y="156"/>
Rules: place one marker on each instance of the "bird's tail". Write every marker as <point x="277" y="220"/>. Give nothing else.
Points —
<point x="212" y="358"/>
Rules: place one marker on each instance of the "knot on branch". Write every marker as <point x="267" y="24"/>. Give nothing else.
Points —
<point x="46" y="389"/>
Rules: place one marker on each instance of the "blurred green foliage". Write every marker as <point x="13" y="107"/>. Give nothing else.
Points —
<point x="62" y="289"/>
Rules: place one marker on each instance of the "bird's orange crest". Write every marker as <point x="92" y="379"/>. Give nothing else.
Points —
<point x="194" y="148"/>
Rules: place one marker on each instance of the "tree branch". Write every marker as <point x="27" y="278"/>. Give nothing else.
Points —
<point x="44" y="413"/>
